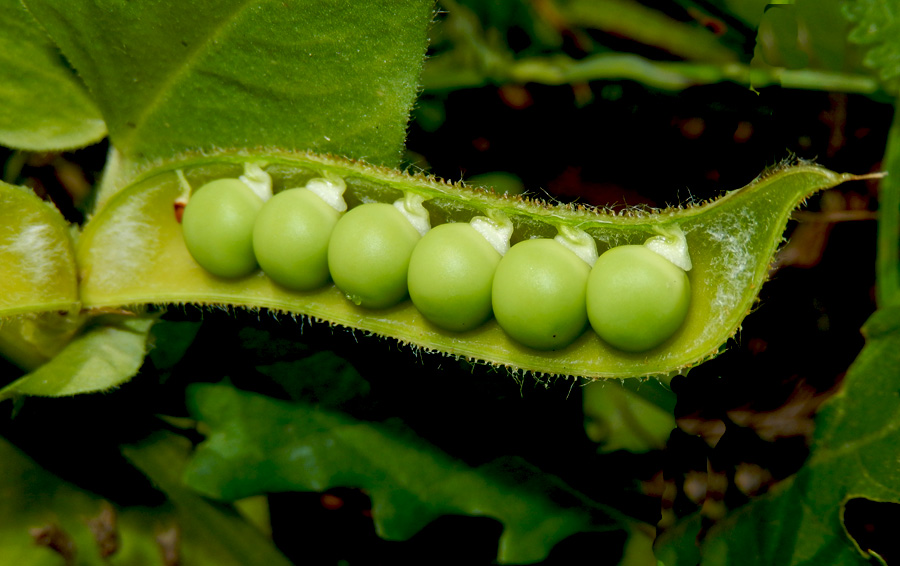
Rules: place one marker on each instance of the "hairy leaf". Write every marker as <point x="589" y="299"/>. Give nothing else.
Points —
<point x="45" y="106"/>
<point x="257" y="445"/>
<point x="854" y="454"/>
<point x="108" y="352"/>
<point x="172" y="76"/>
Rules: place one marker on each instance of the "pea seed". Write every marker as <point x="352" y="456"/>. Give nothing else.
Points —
<point x="636" y="299"/>
<point x="218" y="227"/>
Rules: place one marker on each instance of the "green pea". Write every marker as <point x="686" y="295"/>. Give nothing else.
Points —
<point x="218" y="227"/>
<point x="539" y="294"/>
<point x="369" y="252"/>
<point x="450" y="276"/>
<point x="636" y="298"/>
<point x="290" y="239"/>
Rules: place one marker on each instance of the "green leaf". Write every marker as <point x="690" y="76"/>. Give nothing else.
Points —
<point x="323" y="378"/>
<point x="108" y="352"/>
<point x="876" y="27"/>
<point x="620" y="419"/>
<point x="45" y="105"/>
<point x="257" y="445"/>
<point x="854" y="454"/>
<point x="219" y="535"/>
<point x="172" y="77"/>
<point x="34" y="498"/>
<point x="170" y="341"/>
<point x="807" y="35"/>
<point x="37" y="257"/>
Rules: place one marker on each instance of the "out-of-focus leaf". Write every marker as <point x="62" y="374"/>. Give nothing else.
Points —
<point x="619" y="419"/>
<point x="45" y="106"/>
<point x="219" y="535"/>
<point x="170" y="341"/>
<point x="172" y="77"/>
<point x="633" y="20"/>
<point x="257" y="445"/>
<point x="323" y="378"/>
<point x="108" y="352"/>
<point x="877" y="27"/>
<point x="196" y="531"/>
<point x="854" y="454"/>
<point x="807" y="35"/>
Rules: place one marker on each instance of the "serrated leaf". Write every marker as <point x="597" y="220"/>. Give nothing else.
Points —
<point x="257" y="445"/>
<point x="854" y="454"/>
<point x="170" y="77"/>
<point x="45" y="106"/>
<point x="34" y="498"/>
<point x="108" y="352"/>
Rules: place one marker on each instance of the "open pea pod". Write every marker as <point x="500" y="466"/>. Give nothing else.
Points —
<point x="133" y="252"/>
<point x="37" y="257"/>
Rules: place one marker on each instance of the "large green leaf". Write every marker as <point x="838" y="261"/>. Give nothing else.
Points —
<point x="45" y="106"/>
<point x="257" y="445"/>
<point x="854" y="455"/>
<point x="207" y="534"/>
<point x="171" y="77"/>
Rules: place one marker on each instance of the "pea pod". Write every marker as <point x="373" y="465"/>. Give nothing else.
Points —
<point x="37" y="257"/>
<point x="731" y="243"/>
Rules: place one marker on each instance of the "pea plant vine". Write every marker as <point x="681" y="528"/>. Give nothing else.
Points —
<point x="333" y="282"/>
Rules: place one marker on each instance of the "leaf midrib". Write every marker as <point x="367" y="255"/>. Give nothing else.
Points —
<point x="167" y="86"/>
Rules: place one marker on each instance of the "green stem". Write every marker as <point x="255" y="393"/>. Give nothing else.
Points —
<point x="887" y="283"/>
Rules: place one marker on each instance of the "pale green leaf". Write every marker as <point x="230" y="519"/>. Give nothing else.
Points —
<point x="108" y="352"/>
<point x="258" y="445"/>
<point x="172" y="77"/>
<point x="45" y="106"/>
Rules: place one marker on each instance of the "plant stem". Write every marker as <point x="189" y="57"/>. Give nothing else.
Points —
<point x="887" y="282"/>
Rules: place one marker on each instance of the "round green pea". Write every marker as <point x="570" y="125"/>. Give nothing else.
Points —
<point x="218" y="227"/>
<point x="636" y="299"/>
<point x="539" y="294"/>
<point x="451" y="272"/>
<point x="369" y="252"/>
<point x="290" y="239"/>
